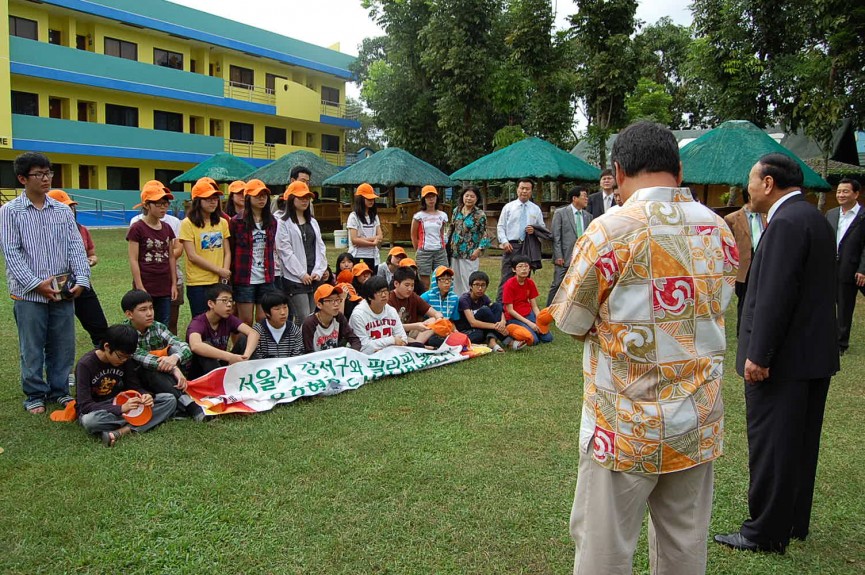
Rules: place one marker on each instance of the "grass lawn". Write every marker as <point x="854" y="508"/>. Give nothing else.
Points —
<point x="468" y="468"/>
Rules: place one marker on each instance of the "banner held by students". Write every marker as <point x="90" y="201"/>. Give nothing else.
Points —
<point x="259" y="385"/>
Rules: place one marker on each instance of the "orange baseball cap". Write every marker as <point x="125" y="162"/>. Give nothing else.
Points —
<point x="543" y="321"/>
<point x="62" y="197"/>
<point x="442" y="327"/>
<point x="407" y="262"/>
<point x="521" y="333"/>
<point x="325" y="290"/>
<point x="349" y="289"/>
<point x="442" y="270"/>
<point x="254" y="188"/>
<point x="153" y="191"/>
<point x="359" y="269"/>
<point x="427" y="190"/>
<point x="204" y="188"/>
<point x="345" y="276"/>
<point x="237" y="186"/>
<point x="138" y="416"/>
<point x="366" y="191"/>
<point x="297" y="189"/>
<point x="396" y="251"/>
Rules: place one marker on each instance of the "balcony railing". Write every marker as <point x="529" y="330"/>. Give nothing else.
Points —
<point x="250" y="149"/>
<point x="335" y="158"/>
<point x="248" y="93"/>
<point x="338" y="110"/>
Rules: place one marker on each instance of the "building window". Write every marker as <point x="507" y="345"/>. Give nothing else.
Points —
<point x="165" y="176"/>
<point x="241" y="132"/>
<point x="58" y="107"/>
<point x="168" y="59"/>
<point x="274" y="135"/>
<point x="329" y="96"/>
<point x="23" y="28"/>
<point x="25" y="103"/>
<point x="121" y="116"/>
<point x="8" y="179"/>
<point x="169" y="121"/>
<point x="270" y="82"/>
<point x="123" y="178"/>
<point x="329" y="143"/>
<point x="243" y="77"/>
<point x="54" y="37"/>
<point x="121" y="48"/>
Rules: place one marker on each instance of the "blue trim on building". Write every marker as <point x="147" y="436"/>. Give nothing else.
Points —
<point x="341" y="122"/>
<point x="136" y="88"/>
<point x="107" y="151"/>
<point x="168" y="27"/>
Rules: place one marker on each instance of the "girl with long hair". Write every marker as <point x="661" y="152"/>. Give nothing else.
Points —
<point x="364" y="228"/>
<point x="428" y="234"/>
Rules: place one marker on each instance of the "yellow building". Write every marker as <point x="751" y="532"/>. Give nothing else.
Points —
<point x="118" y="92"/>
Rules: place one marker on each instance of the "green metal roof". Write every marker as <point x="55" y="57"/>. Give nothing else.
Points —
<point x="209" y="28"/>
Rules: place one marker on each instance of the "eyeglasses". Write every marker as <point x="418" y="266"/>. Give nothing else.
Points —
<point x="332" y="300"/>
<point x="122" y="356"/>
<point x="225" y="301"/>
<point x="445" y="279"/>
<point x="41" y="175"/>
<point x="160" y="203"/>
<point x="479" y="285"/>
<point x="383" y="292"/>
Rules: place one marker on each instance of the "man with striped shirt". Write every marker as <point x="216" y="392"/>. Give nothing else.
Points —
<point x="40" y="241"/>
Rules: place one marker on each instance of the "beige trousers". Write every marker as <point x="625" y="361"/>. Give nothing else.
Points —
<point x="608" y="513"/>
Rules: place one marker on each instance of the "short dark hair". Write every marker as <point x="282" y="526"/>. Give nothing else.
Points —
<point x="297" y="170"/>
<point x="576" y="191"/>
<point x="213" y="292"/>
<point x="402" y="274"/>
<point x="784" y="170"/>
<point x="28" y="160"/>
<point x="466" y="189"/>
<point x="607" y="172"/>
<point x="646" y="147"/>
<point x="478" y="275"/>
<point x="271" y="299"/>
<point x="530" y="181"/>
<point x="120" y="337"/>
<point x="520" y="259"/>
<point x="134" y="298"/>
<point x="372" y="285"/>
<point x="853" y="183"/>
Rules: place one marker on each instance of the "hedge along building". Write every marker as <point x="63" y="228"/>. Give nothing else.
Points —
<point x="121" y="92"/>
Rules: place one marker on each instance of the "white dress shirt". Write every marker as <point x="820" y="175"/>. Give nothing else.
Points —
<point x="508" y="227"/>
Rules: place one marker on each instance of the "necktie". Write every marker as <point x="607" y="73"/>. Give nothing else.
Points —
<point x="756" y="230"/>
<point x="579" y="219"/>
<point x="609" y="200"/>
<point x="524" y="220"/>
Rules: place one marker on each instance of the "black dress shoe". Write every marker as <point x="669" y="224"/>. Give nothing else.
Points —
<point x="741" y="543"/>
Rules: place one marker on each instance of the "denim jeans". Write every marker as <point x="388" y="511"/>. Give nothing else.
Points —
<point x="538" y="337"/>
<point x="46" y="343"/>
<point x="197" y="296"/>
<point x="162" y="309"/>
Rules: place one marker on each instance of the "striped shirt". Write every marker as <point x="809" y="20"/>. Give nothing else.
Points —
<point x="289" y="345"/>
<point x="38" y="244"/>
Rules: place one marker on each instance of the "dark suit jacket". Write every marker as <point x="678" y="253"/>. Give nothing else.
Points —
<point x="596" y="204"/>
<point x="851" y="250"/>
<point x="788" y="323"/>
<point x="741" y="228"/>
<point x="565" y="232"/>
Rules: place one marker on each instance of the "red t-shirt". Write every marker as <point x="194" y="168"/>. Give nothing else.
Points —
<point x="519" y="295"/>
<point x="154" y="247"/>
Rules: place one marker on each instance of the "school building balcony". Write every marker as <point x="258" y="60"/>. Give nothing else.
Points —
<point x="51" y="135"/>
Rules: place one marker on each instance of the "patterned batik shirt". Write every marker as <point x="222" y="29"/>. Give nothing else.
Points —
<point x="648" y="287"/>
<point x="469" y="233"/>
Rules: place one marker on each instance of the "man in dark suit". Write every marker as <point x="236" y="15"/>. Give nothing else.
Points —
<point x="602" y="200"/>
<point x="788" y="351"/>
<point x="569" y="223"/>
<point x="747" y="227"/>
<point x="848" y="221"/>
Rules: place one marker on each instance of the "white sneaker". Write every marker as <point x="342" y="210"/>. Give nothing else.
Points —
<point x="498" y="349"/>
<point x="516" y="344"/>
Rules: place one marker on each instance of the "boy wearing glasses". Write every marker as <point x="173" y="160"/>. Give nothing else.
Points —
<point x="277" y="337"/>
<point x="376" y="323"/>
<point x="327" y="328"/>
<point x="209" y="334"/>
<point x="44" y="311"/>
<point x="104" y="373"/>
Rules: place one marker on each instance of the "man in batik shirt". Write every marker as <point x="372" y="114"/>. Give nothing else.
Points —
<point x="647" y="293"/>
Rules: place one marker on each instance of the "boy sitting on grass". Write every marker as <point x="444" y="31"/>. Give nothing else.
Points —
<point x="327" y="328"/>
<point x="277" y="337"/>
<point x="159" y="353"/>
<point x="482" y="320"/>
<point x="519" y="296"/>
<point x="442" y="298"/>
<point x="374" y="322"/>
<point x="101" y="375"/>
<point x="210" y="333"/>
<point x="410" y="308"/>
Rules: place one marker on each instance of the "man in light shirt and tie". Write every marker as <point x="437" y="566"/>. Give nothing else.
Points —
<point x="747" y="227"/>
<point x="601" y="201"/>
<point x="517" y="219"/>
<point x="569" y="223"/>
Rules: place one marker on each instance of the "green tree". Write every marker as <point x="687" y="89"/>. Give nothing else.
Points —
<point x="368" y="135"/>
<point x="649" y="101"/>
<point x="662" y="49"/>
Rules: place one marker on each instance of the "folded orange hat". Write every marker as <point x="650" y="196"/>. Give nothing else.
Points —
<point x="544" y="320"/>
<point x="442" y="327"/>
<point x="521" y="333"/>
<point x="344" y="277"/>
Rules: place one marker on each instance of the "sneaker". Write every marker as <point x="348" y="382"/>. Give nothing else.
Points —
<point x="71" y="380"/>
<point x="516" y="344"/>
<point x="64" y="399"/>
<point x="498" y="349"/>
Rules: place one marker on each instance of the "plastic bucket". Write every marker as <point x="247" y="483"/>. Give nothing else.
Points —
<point x="340" y="238"/>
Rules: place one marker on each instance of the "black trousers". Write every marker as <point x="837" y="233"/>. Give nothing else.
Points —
<point x="507" y="270"/>
<point x="741" y="289"/>
<point x="201" y="365"/>
<point x="89" y="312"/>
<point x="846" y="301"/>
<point x="785" y="418"/>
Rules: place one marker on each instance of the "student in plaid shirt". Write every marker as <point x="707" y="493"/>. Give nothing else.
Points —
<point x="160" y="354"/>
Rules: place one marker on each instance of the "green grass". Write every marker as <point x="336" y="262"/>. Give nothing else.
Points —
<point x="469" y="468"/>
